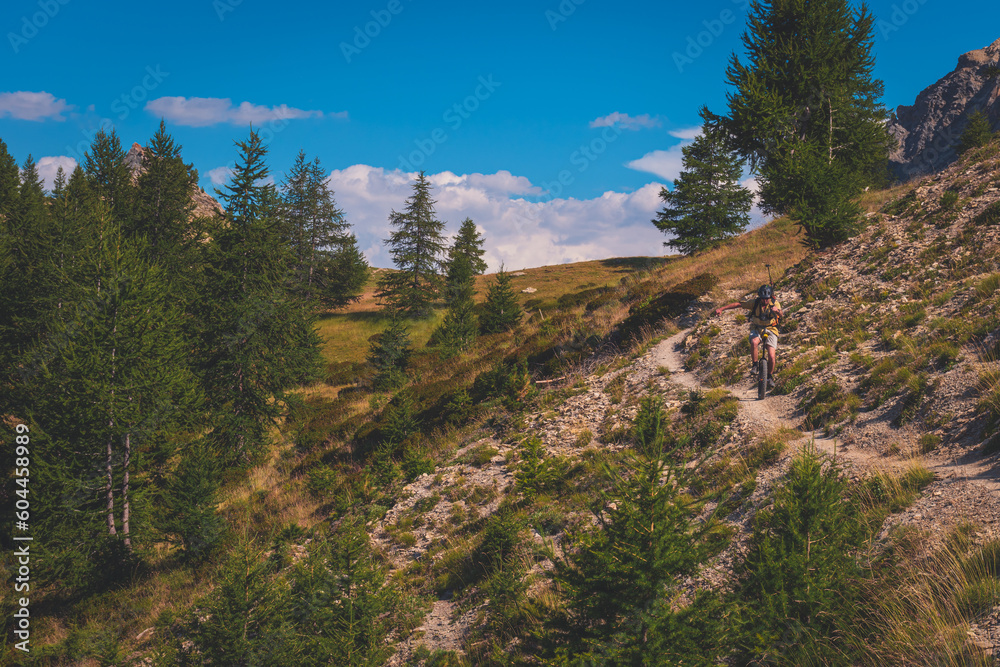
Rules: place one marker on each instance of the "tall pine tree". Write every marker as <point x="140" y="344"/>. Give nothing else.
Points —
<point x="416" y="246"/>
<point x="113" y="384"/>
<point x="258" y="340"/>
<point x="110" y="177"/>
<point x="164" y="205"/>
<point x="807" y="113"/>
<point x="707" y="205"/>
<point x="329" y="269"/>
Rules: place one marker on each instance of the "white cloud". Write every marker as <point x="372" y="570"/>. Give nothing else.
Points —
<point x="220" y="175"/>
<point x="48" y="166"/>
<point x="204" y="111"/>
<point x="686" y="133"/>
<point x="667" y="164"/>
<point x="626" y="121"/>
<point x="519" y="233"/>
<point x="24" y="105"/>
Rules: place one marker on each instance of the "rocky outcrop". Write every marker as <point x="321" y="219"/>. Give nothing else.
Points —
<point x="204" y="204"/>
<point x="929" y="130"/>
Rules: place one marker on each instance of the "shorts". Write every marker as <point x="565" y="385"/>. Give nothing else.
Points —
<point x="770" y="338"/>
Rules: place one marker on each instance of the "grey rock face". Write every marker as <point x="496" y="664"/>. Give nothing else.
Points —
<point x="929" y="130"/>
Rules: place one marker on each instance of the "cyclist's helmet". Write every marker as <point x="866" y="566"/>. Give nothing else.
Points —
<point x="765" y="292"/>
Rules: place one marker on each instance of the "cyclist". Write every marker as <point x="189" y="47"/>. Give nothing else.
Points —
<point x="764" y="312"/>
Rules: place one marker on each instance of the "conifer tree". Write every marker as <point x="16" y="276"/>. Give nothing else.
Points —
<point x="110" y="177"/>
<point x="164" y="205"/>
<point x="9" y="181"/>
<point x="707" y="205"/>
<point x="977" y="132"/>
<point x="342" y="603"/>
<point x="258" y="340"/>
<point x="114" y="382"/>
<point x="806" y="112"/>
<point x="469" y="244"/>
<point x="328" y="266"/>
<point x="30" y="286"/>
<point x="501" y="312"/>
<point x="459" y="328"/>
<point x="389" y="353"/>
<point x="416" y="247"/>
<point x="620" y="579"/>
<point x="247" y="615"/>
<point x="796" y="581"/>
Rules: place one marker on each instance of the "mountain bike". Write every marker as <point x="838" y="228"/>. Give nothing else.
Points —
<point x="762" y="373"/>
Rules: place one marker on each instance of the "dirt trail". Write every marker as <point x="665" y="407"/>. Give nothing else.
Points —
<point x="965" y="489"/>
<point x="769" y="415"/>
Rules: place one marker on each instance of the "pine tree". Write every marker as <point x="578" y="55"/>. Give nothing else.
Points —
<point x="328" y="266"/>
<point x="501" y="312"/>
<point x="343" y="605"/>
<point x="164" y="205"/>
<point x="389" y="353"/>
<point x="113" y="382"/>
<point x="459" y="328"/>
<point x="977" y="132"/>
<point x="707" y="205"/>
<point x="344" y="274"/>
<point x="796" y="581"/>
<point x="258" y="340"/>
<point x="621" y="577"/>
<point x="110" y="177"/>
<point x="806" y="112"/>
<point x="189" y="504"/>
<point x="416" y="246"/>
<point x="9" y="181"/>
<point x="246" y="620"/>
<point x="469" y="244"/>
<point x="30" y="284"/>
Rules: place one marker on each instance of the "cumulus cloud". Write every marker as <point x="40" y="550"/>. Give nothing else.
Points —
<point x="24" y="105"/>
<point x="626" y="121"/>
<point x="519" y="233"/>
<point x="48" y="166"/>
<point x="220" y="175"/>
<point x="204" y="111"/>
<point x="667" y="164"/>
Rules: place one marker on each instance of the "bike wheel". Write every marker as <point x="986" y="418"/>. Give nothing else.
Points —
<point x="762" y="378"/>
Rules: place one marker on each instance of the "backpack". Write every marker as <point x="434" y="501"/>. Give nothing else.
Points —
<point x="757" y="309"/>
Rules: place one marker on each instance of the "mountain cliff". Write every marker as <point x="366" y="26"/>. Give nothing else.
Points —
<point x="929" y="129"/>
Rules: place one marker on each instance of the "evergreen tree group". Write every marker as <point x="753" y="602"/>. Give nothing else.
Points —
<point x="147" y="349"/>
<point x="806" y="112"/>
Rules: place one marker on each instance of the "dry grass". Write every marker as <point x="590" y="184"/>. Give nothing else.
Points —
<point x="739" y="264"/>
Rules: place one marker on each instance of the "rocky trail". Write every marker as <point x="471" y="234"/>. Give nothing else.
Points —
<point x="966" y="488"/>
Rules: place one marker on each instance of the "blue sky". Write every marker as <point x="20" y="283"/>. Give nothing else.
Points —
<point x="553" y="124"/>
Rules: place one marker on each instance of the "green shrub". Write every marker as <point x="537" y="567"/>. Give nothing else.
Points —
<point x="988" y="216"/>
<point x="948" y="200"/>
<point x="928" y="442"/>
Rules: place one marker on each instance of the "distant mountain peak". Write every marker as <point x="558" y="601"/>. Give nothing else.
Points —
<point x="929" y="130"/>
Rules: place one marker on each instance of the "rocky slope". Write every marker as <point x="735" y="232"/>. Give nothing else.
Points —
<point x="887" y="343"/>
<point x="204" y="204"/>
<point x="929" y="129"/>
